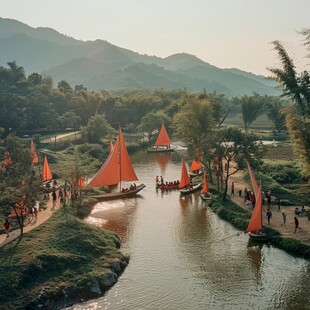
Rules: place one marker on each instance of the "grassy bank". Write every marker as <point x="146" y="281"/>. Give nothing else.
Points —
<point x="58" y="263"/>
<point x="239" y="218"/>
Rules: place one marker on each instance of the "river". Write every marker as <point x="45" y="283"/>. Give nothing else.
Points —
<point x="182" y="256"/>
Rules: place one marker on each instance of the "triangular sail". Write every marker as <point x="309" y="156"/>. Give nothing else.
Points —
<point x="46" y="173"/>
<point x="205" y="186"/>
<point x="33" y="153"/>
<point x="185" y="179"/>
<point x="256" y="221"/>
<point x="117" y="167"/>
<point x="163" y="138"/>
<point x="196" y="165"/>
<point x="253" y="180"/>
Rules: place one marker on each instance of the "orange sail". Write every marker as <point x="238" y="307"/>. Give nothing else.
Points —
<point x="185" y="179"/>
<point x="46" y="173"/>
<point x="33" y="152"/>
<point x="205" y="186"/>
<point x="7" y="161"/>
<point x="117" y="167"/>
<point x="256" y="221"/>
<point x="163" y="138"/>
<point x="253" y="180"/>
<point x="196" y="165"/>
<point x="81" y="183"/>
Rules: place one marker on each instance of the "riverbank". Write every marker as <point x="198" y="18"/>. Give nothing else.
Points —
<point x="235" y="211"/>
<point x="60" y="262"/>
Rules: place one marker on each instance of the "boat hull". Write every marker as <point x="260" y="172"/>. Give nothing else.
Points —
<point x="168" y="187"/>
<point x="160" y="150"/>
<point x="205" y="197"/>
<point x="258" y="237"/>
<point x="187" y="191"/>
<point x="119" y="195"/>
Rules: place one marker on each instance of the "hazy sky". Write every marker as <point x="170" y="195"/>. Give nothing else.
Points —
<point x="225" y="33"/>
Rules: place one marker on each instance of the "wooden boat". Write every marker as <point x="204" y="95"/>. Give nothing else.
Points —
<point x="169" y="187"/>
<point x="190" y="189"/>
<point x="163" y="143"/>
<point x="119" y="195"/>
<point x="255" y="226"/>
<point x="205" y="194"/>
<point x="185" y="185"/>
<point x="115" y="169"/>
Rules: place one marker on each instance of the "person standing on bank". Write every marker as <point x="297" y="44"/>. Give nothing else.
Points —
<point x="284" y="218"/>
<point x="7" y="225"/>
<point x="232" y="188"/>
<point x="296" y="222"/>
<point x="54" y="198"/>
<point x="269" y="215"/>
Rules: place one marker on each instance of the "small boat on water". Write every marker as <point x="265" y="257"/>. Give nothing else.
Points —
<point x="195" y="169"/>
<point x="116" y="168"/>
<point x="255" y="226"/>
<point x="169" y="187"/>
<point x="185" y="185"/>
<point x="205" y="194"/>
<point x="163" y="142"/>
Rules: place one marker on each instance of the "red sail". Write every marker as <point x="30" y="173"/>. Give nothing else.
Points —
<point x="163" y="138"/>
<point x="256" y="221"/>
<point x="185" y="179"/>
<point x="196" y="165"/>
<point x="205" y="186"/>
<point x="117" y="167"/>
<point x="46" y="173"/>
<point x="33" y="153"/>
<point x="253" y="180"/>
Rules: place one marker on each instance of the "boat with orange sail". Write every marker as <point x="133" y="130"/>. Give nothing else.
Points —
<point x="185" y="185"/>
<point x="255" y="226"/>
<point x="162" y="143"/>
<point x="195" y="169"/>
<point x="205" y="194"/>
<point x="116" y="168"/>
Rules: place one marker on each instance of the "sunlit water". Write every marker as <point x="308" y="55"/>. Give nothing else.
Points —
<point x="182" y="256"/>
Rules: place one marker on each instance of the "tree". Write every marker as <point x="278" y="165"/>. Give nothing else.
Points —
<point x="275" y="113"/>
<point x="234" y="149"/>
<point x="97" y="128"/>
<point x="19" y="185"/>
<point x="251" y="108"/>
<point x="296" y="87"/>
<point x="153" y="121"/>
<point x="193" y="119"/>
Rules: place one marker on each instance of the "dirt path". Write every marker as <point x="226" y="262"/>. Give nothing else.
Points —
<point x="42" y="216"/>
<point x="276" y="221"/>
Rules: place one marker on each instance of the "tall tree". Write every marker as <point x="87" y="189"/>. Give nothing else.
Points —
<point x="297" y="87"/>
<point x="251" y="108"/>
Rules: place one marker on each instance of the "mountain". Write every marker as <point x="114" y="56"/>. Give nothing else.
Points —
<point x="102" y="65"/>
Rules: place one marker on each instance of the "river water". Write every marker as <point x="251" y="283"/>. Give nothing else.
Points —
<point x="182" y="256"/>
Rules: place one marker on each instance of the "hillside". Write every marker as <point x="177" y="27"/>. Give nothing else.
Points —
<point x="102" y="65"/>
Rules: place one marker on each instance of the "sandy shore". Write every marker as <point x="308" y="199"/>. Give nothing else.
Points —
<point x="276" y="221"/>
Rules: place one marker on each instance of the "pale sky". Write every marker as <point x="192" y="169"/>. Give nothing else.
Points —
<point x="224" y="33"/>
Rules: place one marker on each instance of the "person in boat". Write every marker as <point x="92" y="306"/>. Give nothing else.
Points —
<point x="157" y="180"/>
<point x="162" y="180"/>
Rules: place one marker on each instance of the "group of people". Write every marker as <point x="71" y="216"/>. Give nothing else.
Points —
<point x="131" y="188"/>
<point x="171" y="183"/>
<point x="159" y="180"/>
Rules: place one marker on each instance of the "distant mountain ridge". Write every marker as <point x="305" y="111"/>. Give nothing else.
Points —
<point x="102" y="65"/>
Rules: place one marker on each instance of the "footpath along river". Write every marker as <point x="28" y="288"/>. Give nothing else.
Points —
<point x="182" y="256"/>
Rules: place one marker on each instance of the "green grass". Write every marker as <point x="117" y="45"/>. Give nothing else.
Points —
<point x="62" y="252"/>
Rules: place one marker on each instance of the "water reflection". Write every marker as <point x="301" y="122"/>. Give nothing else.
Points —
<point x="184" y="257"/>
<point x="162" y="161"/>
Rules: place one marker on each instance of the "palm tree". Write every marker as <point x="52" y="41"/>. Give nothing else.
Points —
<point x="296" y="87"/>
